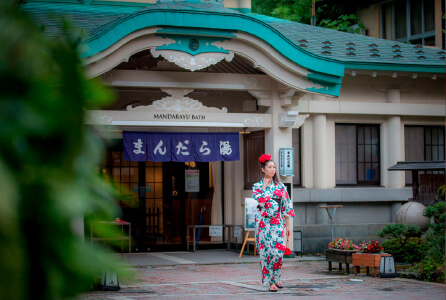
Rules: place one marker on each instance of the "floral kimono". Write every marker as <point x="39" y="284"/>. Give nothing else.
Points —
<point x="270" y="228"/>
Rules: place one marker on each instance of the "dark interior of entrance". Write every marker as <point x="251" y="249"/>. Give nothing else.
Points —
<point x="153" y="196"/>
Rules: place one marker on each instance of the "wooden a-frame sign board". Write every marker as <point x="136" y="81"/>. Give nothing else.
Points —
<point x="248" y="239"/>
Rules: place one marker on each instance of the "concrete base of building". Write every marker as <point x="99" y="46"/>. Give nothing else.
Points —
<point x="317" y="237"/>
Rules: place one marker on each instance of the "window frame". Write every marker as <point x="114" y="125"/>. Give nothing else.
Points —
<point x="299" y="171"/>
<point x="424" y="127"/>
<point x="364" y="182"/>
<point x="409" y="37"/>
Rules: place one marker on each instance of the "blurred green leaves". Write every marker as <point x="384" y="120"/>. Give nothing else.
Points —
<point x="48" y="159"/>
<point x="336" y="15"/>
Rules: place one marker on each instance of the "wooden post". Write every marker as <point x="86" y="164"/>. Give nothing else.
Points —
<point x="415" y="185"/>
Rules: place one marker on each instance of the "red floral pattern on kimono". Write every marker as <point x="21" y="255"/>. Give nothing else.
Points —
<point x="270" y="227"/>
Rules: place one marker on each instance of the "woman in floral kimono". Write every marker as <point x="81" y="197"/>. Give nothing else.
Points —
<point x="270" y="225"/>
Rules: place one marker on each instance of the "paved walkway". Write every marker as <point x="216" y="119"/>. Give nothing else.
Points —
<point x="219" y="274"/>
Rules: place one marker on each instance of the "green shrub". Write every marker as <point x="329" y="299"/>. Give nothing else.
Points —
<point x="403" y="233"/>
<point x="417" y="248"/>
<point x="432" y="267"/>
<point x="429" y="270"/>
<point x="436" y="232"/>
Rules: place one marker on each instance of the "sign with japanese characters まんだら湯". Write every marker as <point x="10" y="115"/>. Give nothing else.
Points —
<point x="180" y="147"/>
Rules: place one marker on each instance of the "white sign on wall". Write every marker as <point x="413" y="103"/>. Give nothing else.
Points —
<point x="237" y="232"/>
<point x="215" y="230"/>
<point x="250" y="213"/>
<point x="192" y="181"/>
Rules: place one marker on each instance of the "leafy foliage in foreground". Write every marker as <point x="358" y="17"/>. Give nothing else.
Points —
<point x="48" y="180"/>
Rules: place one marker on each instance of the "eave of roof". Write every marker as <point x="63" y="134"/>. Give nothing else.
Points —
<point x="319" y="49"/>
<point x="418" y="165"/>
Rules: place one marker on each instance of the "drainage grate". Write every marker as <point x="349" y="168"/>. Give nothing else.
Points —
<point x="137" y="291"/>
<point x="309" y="286"/>
<point x="298" y="294"/>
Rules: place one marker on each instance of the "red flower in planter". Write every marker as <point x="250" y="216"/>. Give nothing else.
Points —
<point x="370" y="247"/>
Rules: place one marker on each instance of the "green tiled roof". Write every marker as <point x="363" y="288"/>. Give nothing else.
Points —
<point x="316" y="48"/>
<point x="354" y="49"/>
<point x="87" y="17"/>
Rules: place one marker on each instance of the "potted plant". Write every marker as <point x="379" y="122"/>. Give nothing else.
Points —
<point x="369" y="256"/>
<point x="340" y="251"/>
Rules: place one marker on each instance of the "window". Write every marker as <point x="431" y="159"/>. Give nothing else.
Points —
<point x="357" y="154"/>
<point x="296" y="145"/>
<point x="253" y="147"/>
<point x="423" y="143"/>
<point x="409" y="21"/>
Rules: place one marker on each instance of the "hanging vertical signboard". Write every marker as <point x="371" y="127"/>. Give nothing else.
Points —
<point x="286" y="162"/>
<point x="192" y="181"/>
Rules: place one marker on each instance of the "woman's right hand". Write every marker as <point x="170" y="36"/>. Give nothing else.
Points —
<point x="266" y="182"/>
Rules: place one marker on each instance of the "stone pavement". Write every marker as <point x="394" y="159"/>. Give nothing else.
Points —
<point x="219" y="274"/>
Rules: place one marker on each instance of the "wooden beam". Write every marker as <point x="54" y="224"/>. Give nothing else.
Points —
<point x="194" y="80"/>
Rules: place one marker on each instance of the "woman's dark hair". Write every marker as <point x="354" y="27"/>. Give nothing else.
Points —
<point x="275" y="177"/>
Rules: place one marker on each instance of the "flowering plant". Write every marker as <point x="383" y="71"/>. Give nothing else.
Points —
<point x="264" y="157"/>
<point x="342" y="244"/>
<point x="370" y="247"/>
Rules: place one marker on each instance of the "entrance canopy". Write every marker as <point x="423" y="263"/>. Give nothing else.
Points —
<point x="425" y="186"/>
<point x="437" y="165"/>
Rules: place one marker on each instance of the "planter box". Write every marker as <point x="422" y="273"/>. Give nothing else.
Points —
<point x="339" y="256"/>
<point x="368" y="260"/>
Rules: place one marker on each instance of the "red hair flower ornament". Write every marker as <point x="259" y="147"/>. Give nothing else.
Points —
<point x="264" y="157"/>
